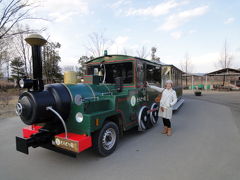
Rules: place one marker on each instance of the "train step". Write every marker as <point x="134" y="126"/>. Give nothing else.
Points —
<point x="178" y="104"/>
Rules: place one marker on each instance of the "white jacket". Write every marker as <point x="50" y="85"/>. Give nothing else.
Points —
<point x="169" y="98"/>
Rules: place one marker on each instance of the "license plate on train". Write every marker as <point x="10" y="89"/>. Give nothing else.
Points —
<point x="67" y="144"/>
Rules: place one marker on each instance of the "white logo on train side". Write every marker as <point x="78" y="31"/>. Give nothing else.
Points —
<point x="133" y="100"/>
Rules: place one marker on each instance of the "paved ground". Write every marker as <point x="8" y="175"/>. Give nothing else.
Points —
<point x="230" y="99"/>
<point x="205" y="145"/>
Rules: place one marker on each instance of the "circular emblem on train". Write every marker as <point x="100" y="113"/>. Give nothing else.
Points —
<point x="19" y="109"/>
<point x="133" y="100"/>
<point x="78" y="99"/>
<point x="57" y="141"/>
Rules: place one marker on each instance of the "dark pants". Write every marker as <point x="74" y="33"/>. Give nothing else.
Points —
<point x="166" y="122"/>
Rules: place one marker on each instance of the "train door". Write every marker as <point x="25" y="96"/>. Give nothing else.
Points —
<point x="152" y="76"/>
<point x="143" y="117"/>
<point x="140" y="83"/>
<point x="131" y="105"/>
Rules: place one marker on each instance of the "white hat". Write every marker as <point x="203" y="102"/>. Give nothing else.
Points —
<point x="169" y="82"/>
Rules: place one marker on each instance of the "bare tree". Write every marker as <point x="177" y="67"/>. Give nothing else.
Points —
<point x="4" y="57"/>
<point x="142" y="52"/>
<point x="17" y="46"/>
<point x="13" y="12"/>
<point x="3" y="60"/>
<point x="186" y="66"/>
<point x="97" y="43"/>
<point x="128" y="51"/>
<point x="125" y="51"/>
<point x="21" y="48"/>
<point x="225" y="60"/>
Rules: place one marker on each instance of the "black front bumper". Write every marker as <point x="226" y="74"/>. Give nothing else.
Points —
<point x="22" y="145"/>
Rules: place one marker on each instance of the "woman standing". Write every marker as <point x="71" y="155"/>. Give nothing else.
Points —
<point x="168" y="99"/>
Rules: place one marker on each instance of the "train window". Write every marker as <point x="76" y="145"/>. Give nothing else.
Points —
<point x="124" y="70"/>
<point x="173" y="77"/>
<point x="153" y="74"/>
<point x="166" y="74"/>
<point x="176" y="78"/>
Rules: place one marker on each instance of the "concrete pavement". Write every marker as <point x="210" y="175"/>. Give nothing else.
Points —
<point x="230" y="98"/>
<point x="205" y="145"/>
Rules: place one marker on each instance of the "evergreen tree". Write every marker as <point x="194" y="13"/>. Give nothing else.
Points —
<point x="82" y="60"/>
<point x="51" y="69"/>
<point x="17" y="67"/>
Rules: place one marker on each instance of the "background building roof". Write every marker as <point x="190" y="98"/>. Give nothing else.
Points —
<point x="225" y="71"/>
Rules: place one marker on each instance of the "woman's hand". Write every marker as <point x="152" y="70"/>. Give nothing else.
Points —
<point x="147" y="84"/>
<point x="162" y="109"/>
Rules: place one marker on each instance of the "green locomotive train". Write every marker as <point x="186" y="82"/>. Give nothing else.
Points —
<point x="69" y="118"/>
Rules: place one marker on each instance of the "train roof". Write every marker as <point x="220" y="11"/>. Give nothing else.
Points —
<point x="116" y="57"/>
<point x="119" y="57"/>
<point x="173" y="66"/>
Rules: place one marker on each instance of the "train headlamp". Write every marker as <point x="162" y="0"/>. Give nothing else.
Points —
<point x="21" y="83"/>
<point x="79" y="117"/>
<point x="26" y="83"/>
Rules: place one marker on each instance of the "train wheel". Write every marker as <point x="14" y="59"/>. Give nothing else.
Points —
<point x="105" y="141"/>
<point x="144" y="119"/>
<point x="154" y="114"/>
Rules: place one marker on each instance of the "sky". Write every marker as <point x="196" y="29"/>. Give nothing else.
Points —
<point x="176" y="27"/>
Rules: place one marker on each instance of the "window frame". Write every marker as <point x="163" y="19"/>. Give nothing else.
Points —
<point x="98" y="65"/>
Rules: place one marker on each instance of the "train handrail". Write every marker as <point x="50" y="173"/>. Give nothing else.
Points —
<point x="61" y="119"/>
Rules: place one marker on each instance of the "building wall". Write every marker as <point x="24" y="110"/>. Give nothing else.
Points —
<point x="196" y="80"/>
<point x="218" y="80"/>
<point x="211" y="80"/>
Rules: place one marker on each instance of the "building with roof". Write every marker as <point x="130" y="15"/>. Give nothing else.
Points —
<point x="222" y="78"/>
<point x="193" y="80"/>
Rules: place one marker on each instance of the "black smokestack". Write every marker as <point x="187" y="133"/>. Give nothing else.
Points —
<point x="37" y="62"/>
<point x="36" y="41"/>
